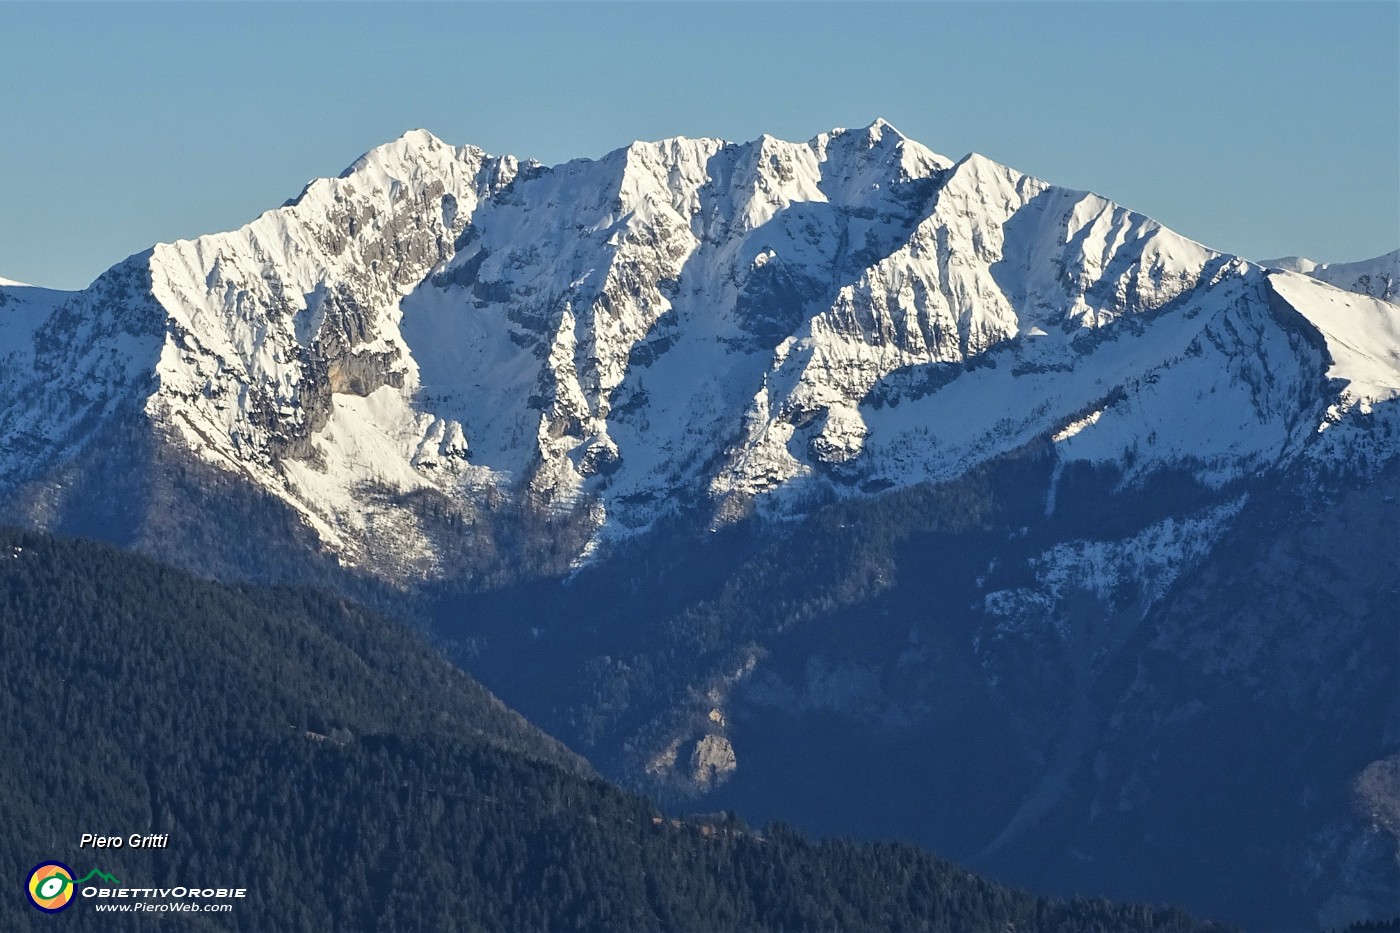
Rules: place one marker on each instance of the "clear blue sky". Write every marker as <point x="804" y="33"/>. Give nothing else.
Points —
<point x="1258" y="128"/>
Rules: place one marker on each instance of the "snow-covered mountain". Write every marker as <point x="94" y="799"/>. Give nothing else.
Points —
<point x="1379" y="277"/>
<point x="1075" y="506"/>
<point x="689" y="323"/>
<point x="23" y="308"/>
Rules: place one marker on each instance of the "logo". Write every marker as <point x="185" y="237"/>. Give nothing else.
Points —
<point x="50" y="887"/>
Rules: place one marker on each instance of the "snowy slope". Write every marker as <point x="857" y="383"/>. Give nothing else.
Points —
<point x="23" y="308"/>
<point x="283" y="357"/>
<point x="1289" y="264"/>
<point x="689" y="323"/>
<point x="1378" y="278"/>
<point x="650" y="309"/>
<point x="73" y="361"/>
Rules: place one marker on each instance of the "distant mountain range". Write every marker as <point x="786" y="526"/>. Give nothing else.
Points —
<point x="836" y="480"/>
<point x="1379" y="277"/>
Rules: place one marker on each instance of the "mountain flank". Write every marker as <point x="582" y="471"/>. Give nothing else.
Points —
<point x="346" y="775"/>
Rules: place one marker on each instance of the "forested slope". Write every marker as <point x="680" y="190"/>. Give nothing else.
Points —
<point x="335" y="766"/>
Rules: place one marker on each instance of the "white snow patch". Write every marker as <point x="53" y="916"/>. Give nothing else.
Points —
<point x="1074" y="427"/>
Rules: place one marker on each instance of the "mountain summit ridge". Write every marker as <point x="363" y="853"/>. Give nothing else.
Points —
<point x="733" y="327"/>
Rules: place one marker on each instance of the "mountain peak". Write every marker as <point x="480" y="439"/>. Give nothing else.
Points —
<point x="880" y="126"/>
<point x="1290" y="264"/>
<point x="414" y="147"/>
<point x="420" y="137"/>
<point x="1378" y="277"/>
<point x="874" y="132"/>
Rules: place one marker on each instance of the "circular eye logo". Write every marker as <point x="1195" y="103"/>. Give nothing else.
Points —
<point x="50" y="886"/>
